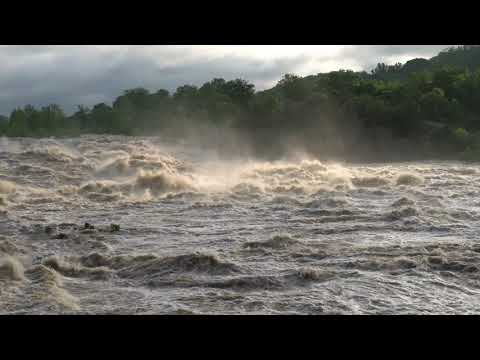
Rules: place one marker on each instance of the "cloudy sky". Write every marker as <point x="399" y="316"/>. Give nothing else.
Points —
<point x="71" y="75"/>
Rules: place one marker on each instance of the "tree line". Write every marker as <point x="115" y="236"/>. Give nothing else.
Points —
<point x="423" y="108"/>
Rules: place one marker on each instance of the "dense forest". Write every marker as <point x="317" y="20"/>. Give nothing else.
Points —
<point x="425" y="108"/>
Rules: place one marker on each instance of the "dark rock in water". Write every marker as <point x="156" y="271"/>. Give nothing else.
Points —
<point x="61" y="236"/>
<point x="114" y="227"/>
<point x="88" y="226"/>
<point x="49" y="230"/>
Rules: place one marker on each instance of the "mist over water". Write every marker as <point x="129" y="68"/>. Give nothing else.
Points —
<point x="202" y="231"/>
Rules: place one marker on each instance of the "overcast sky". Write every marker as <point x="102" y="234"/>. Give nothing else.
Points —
<point x="71" y="75"/>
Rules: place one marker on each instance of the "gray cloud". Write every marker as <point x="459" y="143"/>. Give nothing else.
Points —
<point x="71" y="75"/>
<point x="368" y="56"/>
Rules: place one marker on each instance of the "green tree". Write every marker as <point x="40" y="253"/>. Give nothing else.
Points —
<point x="293" y="88"/>
<point x="102" y="118"/>
<point x="240" y="91"/>
<point x="18" y="124"/>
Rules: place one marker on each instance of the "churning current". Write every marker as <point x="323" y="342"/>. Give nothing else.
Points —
<point x="126" y="225"/>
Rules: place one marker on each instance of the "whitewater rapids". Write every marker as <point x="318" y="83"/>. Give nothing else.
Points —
<point x="200" y="233"/>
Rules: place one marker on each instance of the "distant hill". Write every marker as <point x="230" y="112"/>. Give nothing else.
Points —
<point x="463" y="57"/>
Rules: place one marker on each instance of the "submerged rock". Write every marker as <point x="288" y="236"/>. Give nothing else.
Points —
<point x="88" y="226"/>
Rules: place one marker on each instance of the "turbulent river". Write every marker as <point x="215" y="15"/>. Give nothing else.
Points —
<point x="124" y="225"/>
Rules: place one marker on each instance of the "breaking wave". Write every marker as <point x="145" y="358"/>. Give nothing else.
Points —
<point x="160" y="182"/>
<point x="143" y="186"/>
<point x="76" y="270"/>
<point x="7" y="187"/>
<point x="409" y="179"/>
<point x="11" y="269"/>
<point x="146" y="266"/>
<point x="54" y="153"/>
<point x="372" y="181"/>
<point x="197" y="263"/>
<point x="47" y="286"/>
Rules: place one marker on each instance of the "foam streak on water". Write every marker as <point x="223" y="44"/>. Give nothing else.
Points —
<point x="203" y="235"/>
